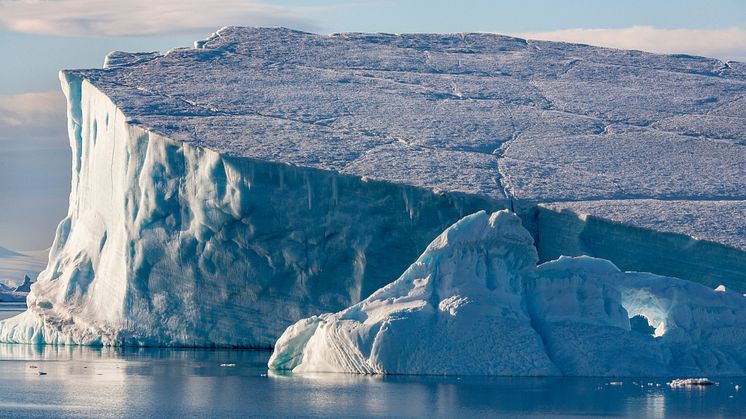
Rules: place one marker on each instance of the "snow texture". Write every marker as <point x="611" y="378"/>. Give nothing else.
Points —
<point x="222" y="192"/>
<point x="475" y="303"/>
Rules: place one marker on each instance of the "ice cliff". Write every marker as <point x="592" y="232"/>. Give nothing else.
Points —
<point x="476" y="303"/>
<point x="222" y="192"/>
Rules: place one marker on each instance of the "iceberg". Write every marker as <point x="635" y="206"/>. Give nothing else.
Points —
<point x="459" y="309"/>
<point x="223" y="192"/>
<point x="475" y="303"/>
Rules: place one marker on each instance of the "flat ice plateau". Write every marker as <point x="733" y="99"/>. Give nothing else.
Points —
<point x="475" y="303"/>
<point x="223" y="192"/>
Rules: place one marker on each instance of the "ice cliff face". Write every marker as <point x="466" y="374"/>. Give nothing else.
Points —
<point x="172" y="244"/>
<point x="475" y="303"/>
<point x="223" y="192"/>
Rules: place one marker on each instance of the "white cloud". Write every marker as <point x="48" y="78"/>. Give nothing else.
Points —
<point x="143" y="17"/>
<point x="33" y="121"/>
<point x="30" y="108"/>
<point x="725" y="44"/>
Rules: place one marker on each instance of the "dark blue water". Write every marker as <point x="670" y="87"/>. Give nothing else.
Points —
<point x="89" y="382"/>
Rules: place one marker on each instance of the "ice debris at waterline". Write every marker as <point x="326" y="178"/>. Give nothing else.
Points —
<point x="223" y="192"/>
<point x="692" y="382"/>
<point x="475" y="303"/>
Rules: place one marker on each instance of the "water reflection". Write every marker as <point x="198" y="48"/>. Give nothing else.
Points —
<point x="95" y="382"/>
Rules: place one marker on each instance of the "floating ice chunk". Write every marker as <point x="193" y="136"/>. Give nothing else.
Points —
<point x="690" y="382"/>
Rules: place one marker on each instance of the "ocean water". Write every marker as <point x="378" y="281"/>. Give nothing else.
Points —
<point x="151" y="382"/>
<point x="11" y="309"/>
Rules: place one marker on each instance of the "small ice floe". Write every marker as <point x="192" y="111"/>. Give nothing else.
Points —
<point x="690" y="382"/>
<point x="227" y="365"/>
<point x="737" y="387"/>
<point x="616" y="383"/>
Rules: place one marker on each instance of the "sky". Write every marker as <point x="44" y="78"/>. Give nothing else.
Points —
<point x="40" y="37"/>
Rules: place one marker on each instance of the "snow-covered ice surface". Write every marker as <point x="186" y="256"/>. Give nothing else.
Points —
<point x="475" y="303"/>
<point x="547" y="121"/>
<point x="220" y="193"/>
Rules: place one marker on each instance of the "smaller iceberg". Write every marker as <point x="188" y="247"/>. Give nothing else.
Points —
<point x="457" y="310"/>
<point x="475" y="303"/>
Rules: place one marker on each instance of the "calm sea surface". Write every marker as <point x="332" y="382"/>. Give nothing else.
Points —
<point x="95" y="382"/>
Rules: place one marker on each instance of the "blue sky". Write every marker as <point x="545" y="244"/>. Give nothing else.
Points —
<point x="40" y="37"/>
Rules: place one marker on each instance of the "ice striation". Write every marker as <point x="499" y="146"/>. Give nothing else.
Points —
<point x="476" y="303"/>
<point x="223" y="192"/>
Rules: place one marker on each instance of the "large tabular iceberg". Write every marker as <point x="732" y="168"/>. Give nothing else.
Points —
<point x="475" y="303"/>
<point x="222" y="192"/>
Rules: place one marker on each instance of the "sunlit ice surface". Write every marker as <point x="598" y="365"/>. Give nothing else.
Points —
<point x="152" y="382"/>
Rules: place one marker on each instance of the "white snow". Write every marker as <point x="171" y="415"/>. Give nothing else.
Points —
<point x="475" y="303"/>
